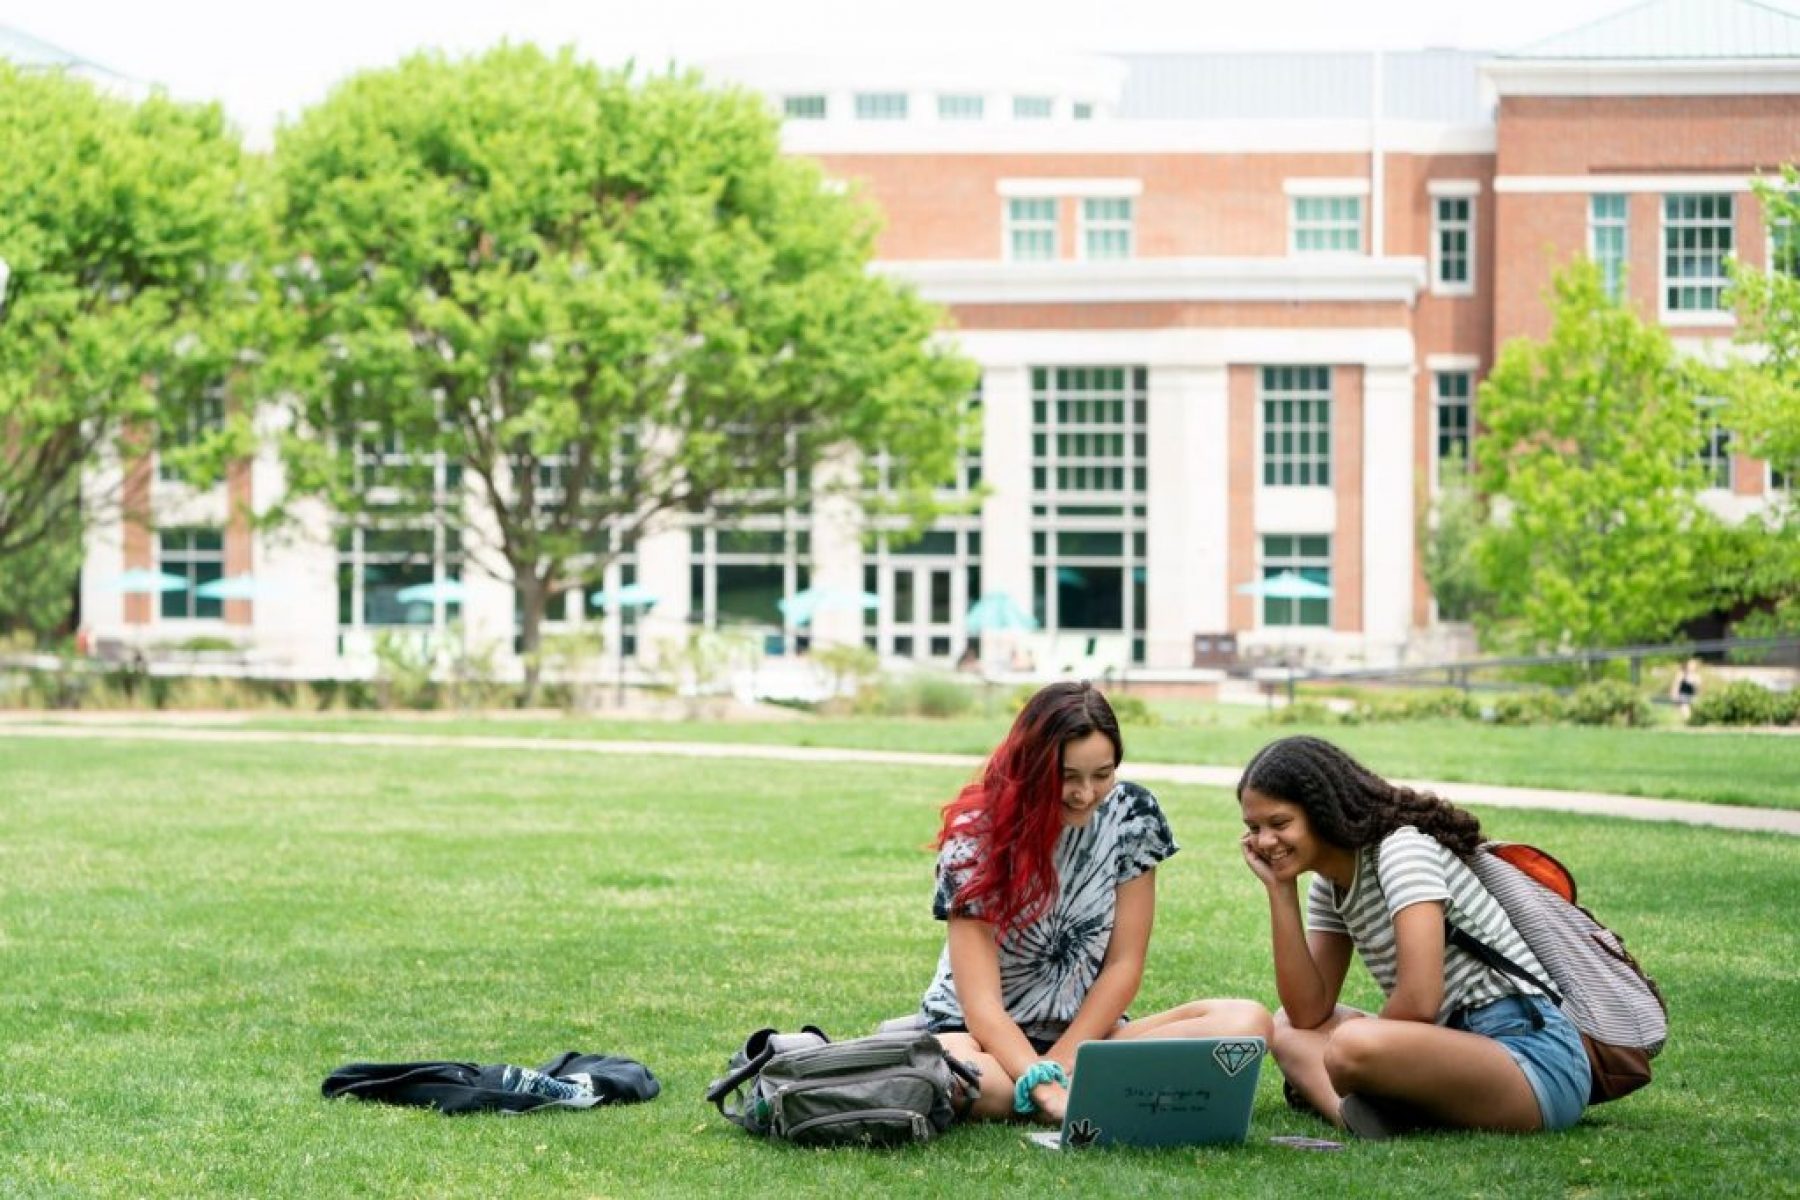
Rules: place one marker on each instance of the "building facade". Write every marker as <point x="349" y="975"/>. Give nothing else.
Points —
<point x="1231" y="314"/>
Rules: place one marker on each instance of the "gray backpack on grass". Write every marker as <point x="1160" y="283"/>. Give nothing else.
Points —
<point x="888" y="1089"/>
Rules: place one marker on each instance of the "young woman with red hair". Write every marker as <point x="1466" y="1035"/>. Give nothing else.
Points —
<point x="1046" y="876"/>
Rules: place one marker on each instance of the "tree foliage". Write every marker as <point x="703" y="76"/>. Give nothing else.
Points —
<point x="1452" y="524"/>
<point x="127" y="229"/>
<point x="606" y="300"/>
<point x="1764" y="413"/>
<point x="1588" y="453"/>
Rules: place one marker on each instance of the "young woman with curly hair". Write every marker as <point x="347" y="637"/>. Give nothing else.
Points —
<point x="1046" y="877"/>
<point x="1457" y="1044"/>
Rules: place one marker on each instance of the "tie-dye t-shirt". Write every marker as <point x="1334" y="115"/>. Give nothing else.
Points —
<point x="1047" y="967"/>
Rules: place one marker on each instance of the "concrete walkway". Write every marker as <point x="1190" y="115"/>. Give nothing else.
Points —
<point x="1766" y="820"/>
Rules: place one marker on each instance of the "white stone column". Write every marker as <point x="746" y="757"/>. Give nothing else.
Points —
<point x="1006" y="470"/>
<point x="488" y="600"/>
<point x="103" y="549"/>
<point x="1186" y="544"/>
<point x="1389" y="500"/>
<point x="294" y="617"/>
<point x="837" y="525"/>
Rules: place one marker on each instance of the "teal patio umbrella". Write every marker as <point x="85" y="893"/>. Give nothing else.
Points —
<point x="235" y="587"/>
<point x="997" y="612"/>
<point x="141" y="581"/>
<point x="1287" y="585"/>
<point x="800" y="607"/>
<point x="443" y="591"/>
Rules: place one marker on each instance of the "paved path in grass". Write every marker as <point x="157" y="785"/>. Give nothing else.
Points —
<point x="1770" y="820"/>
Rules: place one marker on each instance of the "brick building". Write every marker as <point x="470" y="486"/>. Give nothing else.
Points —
<point x="1231" y="313"/>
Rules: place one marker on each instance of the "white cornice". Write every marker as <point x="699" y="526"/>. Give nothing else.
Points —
<point x="1114" y="137"/>
<point x="1163" y="279"/>
<point x="1615" y="184"/>
<point x="1060" y="186"/>
<point x="1644" y="77"/>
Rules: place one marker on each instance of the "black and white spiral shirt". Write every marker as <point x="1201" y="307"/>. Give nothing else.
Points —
<point x="1047" y="967"/>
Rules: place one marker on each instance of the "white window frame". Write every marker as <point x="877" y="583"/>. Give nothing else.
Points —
<point x="1311" y="462"/>
<point x="1715" y="442"/>
<point x="1036" y="224"/>
<point x="1615" y="286"/>
<point x="1721" y="314"/>
<point x="187" y="560"/>
<point x="1088" y="224"/>
<point x="788" y="106"/>
<point x="1034" y="108"/>
<point x="881" y="106"/>
<point x="961" y="106"/>
<point x="1295" y="562"/>
<point x="1301" y="190"/>
<point x="1467" y="191"/>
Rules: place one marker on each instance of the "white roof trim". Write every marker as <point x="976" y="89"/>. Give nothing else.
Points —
<point x="1453" y="187"/>
<point x="1643" y="77"/>
<point x="991" y="281"/>
<point x="1452" y="362"/>
<point x="1112" y="137"/>
<point x="1610" y="184"/>
<point x="1057" y="186"/>
<point x="1310" y="185"/>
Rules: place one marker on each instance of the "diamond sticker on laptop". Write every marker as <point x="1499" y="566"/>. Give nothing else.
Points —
<point x="1233" y="1057"/>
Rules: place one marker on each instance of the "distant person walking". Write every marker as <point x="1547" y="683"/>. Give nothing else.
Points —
<point x="1686" y="687"/>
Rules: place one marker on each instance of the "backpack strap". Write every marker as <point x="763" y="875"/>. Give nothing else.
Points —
<point x="1463" y="940"/>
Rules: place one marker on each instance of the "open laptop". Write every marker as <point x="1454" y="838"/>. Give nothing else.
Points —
<point x="1160" y="1092"/>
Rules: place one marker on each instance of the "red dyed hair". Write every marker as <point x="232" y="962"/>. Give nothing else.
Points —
<point x="1014" y="811"/>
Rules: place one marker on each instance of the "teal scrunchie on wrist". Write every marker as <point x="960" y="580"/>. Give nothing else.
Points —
<point x="1038" y="1072"/>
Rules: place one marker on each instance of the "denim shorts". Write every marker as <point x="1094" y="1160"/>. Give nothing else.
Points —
<point x="1546" y="1046"/>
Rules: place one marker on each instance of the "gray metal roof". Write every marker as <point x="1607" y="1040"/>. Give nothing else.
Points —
<point x="1418" y="85"/>
<point x="1677" y="29"/>
<point x="35" y="54"/>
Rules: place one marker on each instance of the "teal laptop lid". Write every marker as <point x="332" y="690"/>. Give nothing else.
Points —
<point x="1162" y="1092"/>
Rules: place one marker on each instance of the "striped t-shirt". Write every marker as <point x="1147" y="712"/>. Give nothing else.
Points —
<point x="1406" y="868"/>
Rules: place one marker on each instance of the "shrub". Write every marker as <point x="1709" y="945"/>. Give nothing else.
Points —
<point x="1132" y="710"/>
<point x="1741" y="702"/>
<point x="1525" y="708"/>
<point x="1608" y="702"/>
<point x="917" y="696"/>
<point x="1300" y="712"/>
<point x="1435" y="704"/>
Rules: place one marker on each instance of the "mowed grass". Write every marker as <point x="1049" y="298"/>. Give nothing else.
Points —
<point x="191" y="937"/>
<point x="1753" y="769"/>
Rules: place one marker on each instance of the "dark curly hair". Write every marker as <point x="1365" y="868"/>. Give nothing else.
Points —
<point x="1348" y="804"/>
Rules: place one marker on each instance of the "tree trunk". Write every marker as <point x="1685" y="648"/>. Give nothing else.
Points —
<point x="533" y="596"/>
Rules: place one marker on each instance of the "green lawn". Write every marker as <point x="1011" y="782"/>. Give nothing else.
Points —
<point x="191" y="937"/>
<point x="1754" y="769"/>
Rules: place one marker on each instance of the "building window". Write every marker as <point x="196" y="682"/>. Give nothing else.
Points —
<point x="1452" y="242"/>
<point x="1696" y="242"/>
<point x="881" y="106"/>
<point x="376" y="562"/>
<point x="803" y="108"/>
<point x="1106" y="227"/>
<point x="1031" y="229"/>
<point x="1715" y="448"/>
<point x="1608" y="241"/>
<point x="1296" y="411"/>
<point x="197" y="555"/>
<point x="1453" y="389"/>
<point x="206" y="418"/>
<point x="1033" y="108"/>
<point x="1089" y="499"/>
<point x="1083" y="111"/>
<point x="1784" y="249"/>
<point x="961" y="108"/>
<point x="1327" y="224"/>
<point x="1308" y="556"/>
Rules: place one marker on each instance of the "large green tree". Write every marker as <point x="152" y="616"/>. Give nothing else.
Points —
<point x="1761" y="564"/>
<point x="128" y="231"/>
<point x="602" y="299"/>
<point x="1588" y="457"/>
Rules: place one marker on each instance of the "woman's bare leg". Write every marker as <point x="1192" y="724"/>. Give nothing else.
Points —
<point x="1462" y="1079"/>
<point x="1300" y="1053"/>
<point x="1201" y="1018"/>
<point x="995" y="1103"/>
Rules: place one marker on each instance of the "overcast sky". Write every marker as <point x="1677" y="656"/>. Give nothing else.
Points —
<point x="264" y="60"/>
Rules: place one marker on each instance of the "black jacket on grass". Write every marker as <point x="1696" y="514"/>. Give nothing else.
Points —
<point x="459" y="1087"/>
